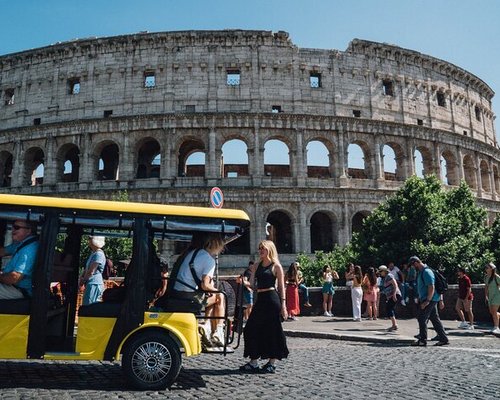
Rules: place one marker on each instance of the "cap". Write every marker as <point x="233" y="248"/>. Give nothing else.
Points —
<point x="382" y="268"/>
<point x="413" y="259"/>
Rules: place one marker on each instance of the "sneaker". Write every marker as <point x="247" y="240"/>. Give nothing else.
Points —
<point x="392" y="328"/>
<point x="403" y="303"/>
<point x="442" y="343"/>
<point x="470" y="327"/>
<point x="327" y="314"/>
<point x="294" y="318"/>
<point x="249" y="368"/>
<point x="268" y="369"/>
<point x="435" y="338"/>
<point x="463" y="325"/>
<point x="307" y="304"/>
<point x="419" y="343"/>
<point x="495" y="331"/>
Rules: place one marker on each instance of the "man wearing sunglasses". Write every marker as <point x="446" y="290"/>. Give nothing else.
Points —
<point x="15" y="278"/>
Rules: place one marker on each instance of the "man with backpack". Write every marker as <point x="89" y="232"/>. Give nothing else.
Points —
<point x="428" y="283"/>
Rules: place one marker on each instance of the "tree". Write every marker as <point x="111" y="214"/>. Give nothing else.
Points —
<point x="495" y="242"/>
<point x="444" y="228"/>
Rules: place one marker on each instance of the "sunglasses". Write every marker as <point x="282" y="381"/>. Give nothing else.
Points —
<point x="17" y="227"/>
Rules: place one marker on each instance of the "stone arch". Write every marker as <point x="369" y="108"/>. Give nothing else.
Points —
<point x="68" y="163"/>
<point x="496" y="179"/>
<point x="358" y="157"/>
<point x="279" y="229"/>
<point x="107" y="160"/>
<point x="485" y="176"/>
<point x="277" y="158"/>
<point x="357" y="220"/>
<point x="234" y="158"/>
<point x="319" y="158"/>
<point x="470" y="171"/>
<point x="323" y="231"/>
<point x="393" y="168"/>
<point x="186" y="150"/>
<point x="148" y="163"/>
<point x="34" y="166"/>
<point x="6" y="164"/>
<point x="449" y="170"/>
<point x="425" y="165"/>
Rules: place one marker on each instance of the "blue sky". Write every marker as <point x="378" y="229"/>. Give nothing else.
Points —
<point x="463" y="32"/>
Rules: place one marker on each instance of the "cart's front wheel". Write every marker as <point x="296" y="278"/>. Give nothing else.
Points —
<point x="151" y="361"/>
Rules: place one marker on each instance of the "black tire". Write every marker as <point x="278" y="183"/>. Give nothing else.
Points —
<point x="151" y="361"/>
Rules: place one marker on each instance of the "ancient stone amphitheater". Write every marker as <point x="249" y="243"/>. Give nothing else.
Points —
<point x="306" y="141"/>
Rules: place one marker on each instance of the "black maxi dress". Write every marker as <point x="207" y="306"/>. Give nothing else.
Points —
<point x="263" y="334"/>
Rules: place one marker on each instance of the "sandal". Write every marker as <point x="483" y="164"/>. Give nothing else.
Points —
<point x="249" y="368"/>
<point x="268" y="369"/>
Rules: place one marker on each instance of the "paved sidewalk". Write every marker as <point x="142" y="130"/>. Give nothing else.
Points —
<point x="344" y="328"/>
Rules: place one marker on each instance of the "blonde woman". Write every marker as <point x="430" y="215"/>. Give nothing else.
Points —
<point x="492" y="292"/>
<point x="91" y="277"/>
<point x="263" y="333"/>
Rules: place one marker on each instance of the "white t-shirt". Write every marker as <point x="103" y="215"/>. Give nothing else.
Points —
<point x="395" y="272"/>
<point x="204" y="264"/>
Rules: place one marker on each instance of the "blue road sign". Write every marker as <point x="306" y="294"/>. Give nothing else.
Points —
<point x="216" y="197"/>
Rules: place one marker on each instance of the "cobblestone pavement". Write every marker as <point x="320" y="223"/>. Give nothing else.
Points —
<point x="316" y="368"/>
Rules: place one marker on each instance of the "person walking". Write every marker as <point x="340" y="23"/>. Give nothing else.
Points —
<point x="392" y="295"/>
<point x="428" y="304"/>
<point x="263" y="333"/>
<point x="492" y="293"/>
<point x="356" y="293"/>
<point x="464" y="300"/>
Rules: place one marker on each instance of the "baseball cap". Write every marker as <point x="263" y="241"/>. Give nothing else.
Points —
<point x="413" y="259"/>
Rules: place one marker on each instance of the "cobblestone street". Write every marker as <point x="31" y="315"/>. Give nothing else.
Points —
<point x="317" y="368"/>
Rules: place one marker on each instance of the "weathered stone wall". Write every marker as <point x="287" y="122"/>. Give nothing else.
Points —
<point x="91" y="102"/>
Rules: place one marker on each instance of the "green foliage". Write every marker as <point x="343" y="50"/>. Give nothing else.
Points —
<point x="337" y="259"/>
<point x="495" y="242"/>
<point x="444" y="228"/>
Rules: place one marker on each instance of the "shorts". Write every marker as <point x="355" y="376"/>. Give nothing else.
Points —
<point x="463" y="304"/>
<point x="247" y="298"/>
<point x="328" y="288"/>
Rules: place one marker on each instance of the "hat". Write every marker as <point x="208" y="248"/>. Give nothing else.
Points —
<point x="382" y="268"/>
<point x="413" y="259"/>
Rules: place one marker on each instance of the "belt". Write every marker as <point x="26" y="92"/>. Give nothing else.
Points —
<point x="265" y="289"/>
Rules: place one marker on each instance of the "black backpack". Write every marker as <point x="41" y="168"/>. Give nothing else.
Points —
<point x="440" y="282"/>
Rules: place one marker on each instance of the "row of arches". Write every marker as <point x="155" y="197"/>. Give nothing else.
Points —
<point x="318" y="159"/>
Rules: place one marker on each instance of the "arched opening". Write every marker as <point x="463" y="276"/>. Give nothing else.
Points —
<point x="279" y="230"/>
<point x="276" y="159"/>
<point x="449" y="174"/>
<point x="419" y="164"/>
<point x="485" y="176"/>
<point x="321" y="232"/>
<point x="192" y="159"/>
<point x="68" y="163"/>
<point x="235" y="159"/>
<point x="357" y="221"/>
<point x="470" y="172"/>
<point x="148" y="159"/>
<point x="318" y="160"/>
<point x="356" y="162"/>
<point x="109" y="161"/>
<point x="34" y="169"/>
<point x="389" y="162"/>
<point x="5" y="169"/>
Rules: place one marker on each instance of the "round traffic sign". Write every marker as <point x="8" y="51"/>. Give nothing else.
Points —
<point x="216" y="197"/>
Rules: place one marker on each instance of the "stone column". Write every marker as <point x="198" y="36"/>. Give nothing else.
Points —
<point x="492" y="181"/>
<point x="378" y="163"/>
<point x="300" y="160"/>
<point x="479" y="178"/>
<point x="340" y="165"/>
<point x="18" y="165"/>
<point x="344" y="228"/>
<point x="259" y="225"/>
<point x="258" y="159"/>
<point x="127" y="159"/>
<point x="437" y="160"/>
<point x="211" y="162"/>
<point x="86" y="164"/>
<point x="166" y="171"/>
<point x="304" y="230"/>
<point x="460" y="165"/>
<point x="50" y="161"/>
<point x="410" y="164"/>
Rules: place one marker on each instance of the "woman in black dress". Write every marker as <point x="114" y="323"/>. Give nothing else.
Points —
<point x="263" y="333"/>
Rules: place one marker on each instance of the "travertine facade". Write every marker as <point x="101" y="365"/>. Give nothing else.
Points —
<point x="127" y="112"/>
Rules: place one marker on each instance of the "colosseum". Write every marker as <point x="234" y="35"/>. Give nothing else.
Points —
<point x="306" y="141"/>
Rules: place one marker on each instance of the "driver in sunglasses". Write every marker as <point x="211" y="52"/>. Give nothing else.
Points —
<point x="15" y="277"/>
